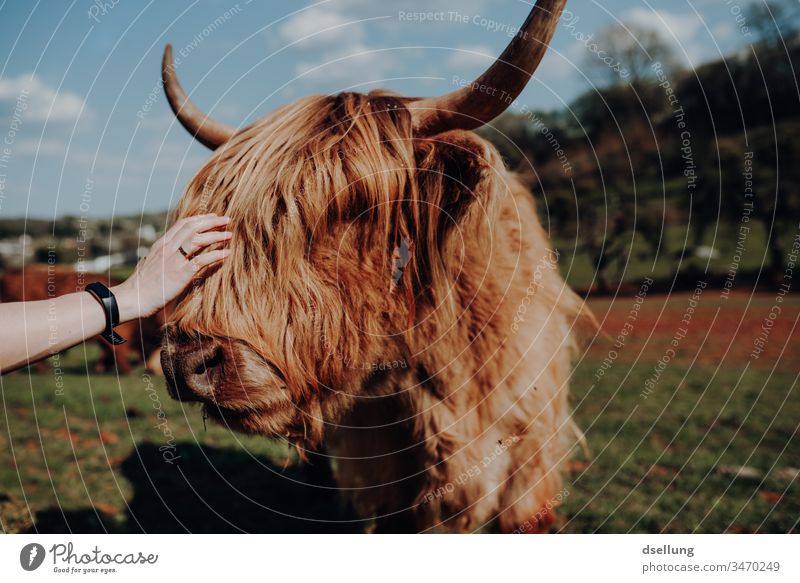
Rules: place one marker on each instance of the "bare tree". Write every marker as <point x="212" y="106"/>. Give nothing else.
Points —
<point x="627" y="52"/>
<point x="772" y="20"/>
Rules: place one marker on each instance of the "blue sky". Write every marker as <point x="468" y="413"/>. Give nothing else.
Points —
<point x="97" y="138"/>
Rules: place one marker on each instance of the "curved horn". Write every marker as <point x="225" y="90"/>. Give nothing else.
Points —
<point x="207" y="131"/>
<point x="490" y="95"/>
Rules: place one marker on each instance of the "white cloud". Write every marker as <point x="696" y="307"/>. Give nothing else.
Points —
<point x="467" y="58"/>
<point x="334" y="41"/>
<point x="42" y="102"/>
<point x="723" y="31"/>
<point x="334" y="48"/>
<point x="679" y="30"/>
<point x="358" y="65"/>
<point x="363" y="7"/>
<point x="321" y="27"/>
<point x="44" y="147"/>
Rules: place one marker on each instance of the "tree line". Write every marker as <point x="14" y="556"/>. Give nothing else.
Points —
<point x="671" y="160"/>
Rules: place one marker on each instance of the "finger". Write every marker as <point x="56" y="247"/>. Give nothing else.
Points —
<point x="182" y="224"/>
<point x="209" y="258"/>
<point x="202" y="240"/>
<point x="198" y="224"/>
<point x="193" y="226"/>
<point x="206" y="223"/>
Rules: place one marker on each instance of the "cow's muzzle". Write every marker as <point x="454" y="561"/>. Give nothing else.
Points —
<point x="193" y="369"/>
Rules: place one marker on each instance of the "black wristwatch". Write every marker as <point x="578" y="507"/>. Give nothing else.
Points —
<point x="103" y="295"/>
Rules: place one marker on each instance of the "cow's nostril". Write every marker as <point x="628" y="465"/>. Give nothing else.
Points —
<point x="211" y="362"/>
<point x="198" y="372"/>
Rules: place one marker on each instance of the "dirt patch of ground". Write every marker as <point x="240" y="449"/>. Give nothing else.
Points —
<point x="706" y="328"/>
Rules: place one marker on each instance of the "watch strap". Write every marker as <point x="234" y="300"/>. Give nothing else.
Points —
<point x="109" y="303"/>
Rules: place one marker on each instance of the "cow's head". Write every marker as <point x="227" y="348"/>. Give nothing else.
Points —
<point x="350" y="214"/>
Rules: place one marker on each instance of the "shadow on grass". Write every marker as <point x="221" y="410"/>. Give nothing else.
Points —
<point x="214" y="490"/>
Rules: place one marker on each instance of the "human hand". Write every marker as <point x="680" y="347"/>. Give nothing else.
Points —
<point x="166" y="272"/>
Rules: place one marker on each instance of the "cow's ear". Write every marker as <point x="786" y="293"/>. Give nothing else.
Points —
<point x="455" y="176"/>
<point x="453" y="170"/>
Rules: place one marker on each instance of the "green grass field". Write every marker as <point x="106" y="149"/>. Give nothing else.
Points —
<point x="713" y="449"/>
<point x="641" y="260"/>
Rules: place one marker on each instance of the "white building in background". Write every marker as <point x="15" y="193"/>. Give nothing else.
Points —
<point x="18" y="249"/>
<point x="105" y="262"/>
<point x="101" y="263"/>
<point x="147" y="233"/>
<point x="706" y="252"/>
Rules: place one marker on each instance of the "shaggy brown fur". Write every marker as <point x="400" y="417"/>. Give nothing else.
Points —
<point x="440" y="386"/>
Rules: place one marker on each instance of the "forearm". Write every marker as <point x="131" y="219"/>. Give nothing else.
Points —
<point x="33" y="330"/>
<point x="30" y="331"/>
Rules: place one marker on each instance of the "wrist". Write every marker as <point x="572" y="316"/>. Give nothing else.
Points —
<point x="127" y="302"/>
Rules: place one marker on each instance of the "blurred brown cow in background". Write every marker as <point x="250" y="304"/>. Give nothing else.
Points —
<point x="44" y="281"/>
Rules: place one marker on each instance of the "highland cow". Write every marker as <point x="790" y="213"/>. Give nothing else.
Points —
<point x="391" y="294"/>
